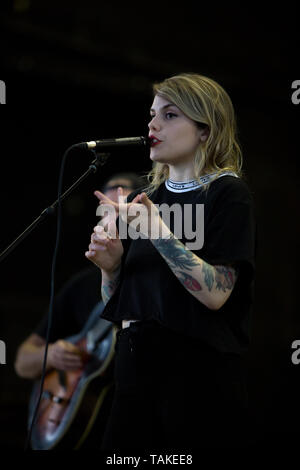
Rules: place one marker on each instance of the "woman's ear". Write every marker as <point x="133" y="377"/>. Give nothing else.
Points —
<point x="203" y="133"/>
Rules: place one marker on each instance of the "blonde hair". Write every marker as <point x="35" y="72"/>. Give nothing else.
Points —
<point x="204" y="101"/>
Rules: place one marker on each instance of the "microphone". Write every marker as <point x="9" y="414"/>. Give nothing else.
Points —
<point x="110" y="143"/>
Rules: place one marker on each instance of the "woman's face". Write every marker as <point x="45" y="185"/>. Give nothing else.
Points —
<point x="174" y="137"/>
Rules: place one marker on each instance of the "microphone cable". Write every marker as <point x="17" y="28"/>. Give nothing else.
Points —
<point x="50" y="312"/>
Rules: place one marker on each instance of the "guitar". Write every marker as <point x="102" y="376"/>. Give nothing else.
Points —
<point x="71" y="400"/>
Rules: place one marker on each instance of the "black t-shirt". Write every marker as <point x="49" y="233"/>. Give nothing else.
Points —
<point x="73" y="305"/>
<point x="149" y="290"/>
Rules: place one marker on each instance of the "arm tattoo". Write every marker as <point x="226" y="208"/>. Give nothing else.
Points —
<point x="209" y="275"/>
<point x="179" y="258"/>
<point x="189" y="282"/>
<point x="175" y="252"/>
<point x="225" y="277"/>
<point x="108" y="289"/>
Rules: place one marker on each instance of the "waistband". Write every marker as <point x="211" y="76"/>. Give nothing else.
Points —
<point x="127" y="323"/>
<point x="151" y="332"/>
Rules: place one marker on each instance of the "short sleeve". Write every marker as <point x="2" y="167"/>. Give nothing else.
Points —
<point x="230" y="234"/>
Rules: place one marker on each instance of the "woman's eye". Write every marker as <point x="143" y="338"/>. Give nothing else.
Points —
<point x="170" y="115"/>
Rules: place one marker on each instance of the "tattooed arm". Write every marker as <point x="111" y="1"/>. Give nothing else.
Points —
<point x="109" y="284"/>
<point x="211" y="285"/>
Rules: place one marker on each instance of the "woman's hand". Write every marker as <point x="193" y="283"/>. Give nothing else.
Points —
<point x="104" y="251"/>
<point x="140" y="214"/>
<point x="148" y="221"/>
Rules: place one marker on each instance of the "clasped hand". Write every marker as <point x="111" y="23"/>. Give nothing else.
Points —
<point x="142" y="217"/>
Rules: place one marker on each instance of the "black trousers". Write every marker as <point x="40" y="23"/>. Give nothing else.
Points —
<point x="174" y="393"/>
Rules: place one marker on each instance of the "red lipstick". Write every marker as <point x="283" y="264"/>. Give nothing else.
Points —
<point x="154" y="140"/>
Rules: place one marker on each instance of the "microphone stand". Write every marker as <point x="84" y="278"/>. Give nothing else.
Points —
<point x="100" y="160"/>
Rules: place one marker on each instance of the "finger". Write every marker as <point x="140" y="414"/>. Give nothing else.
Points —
<point x="101" y="233"/>
<point x="144" y="199"/>
<point x="112" y="231"/>
<point x="99" y="238"/>
<point x="101" y="196"/>
<point x="98" y="246"/>
<point x="136" y="199"/>
<point x="104" y="199"/>
<point x="68" y="346"/>
<point x="67" y="362"/>
<point x="62" y="354"/>
<point x="71" y="358"/>
<point x="107" y="234"/>
<point x="67" y="350"/>
<point x="68" y="358"/>
<point x="93" y="248"/>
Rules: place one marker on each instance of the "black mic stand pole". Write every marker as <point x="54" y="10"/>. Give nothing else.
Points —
<point x="100" y="160"/>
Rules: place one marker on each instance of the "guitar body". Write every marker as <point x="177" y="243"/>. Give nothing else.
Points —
<point x="71" y="400"/>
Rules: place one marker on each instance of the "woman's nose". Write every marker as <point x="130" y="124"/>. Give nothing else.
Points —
<point x="154" y="124"/>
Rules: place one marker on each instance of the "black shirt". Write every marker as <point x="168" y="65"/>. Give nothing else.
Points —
<point x="73" y="305"/>
<point x="149" y="290"/>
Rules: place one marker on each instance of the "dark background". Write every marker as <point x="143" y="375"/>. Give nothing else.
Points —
<point x="78" y="71"/>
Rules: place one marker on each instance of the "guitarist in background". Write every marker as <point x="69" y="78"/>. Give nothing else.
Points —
<point x="72" y="308"/>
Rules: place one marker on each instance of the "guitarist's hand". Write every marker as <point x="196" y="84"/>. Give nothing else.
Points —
<point x="63" y="355"/>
